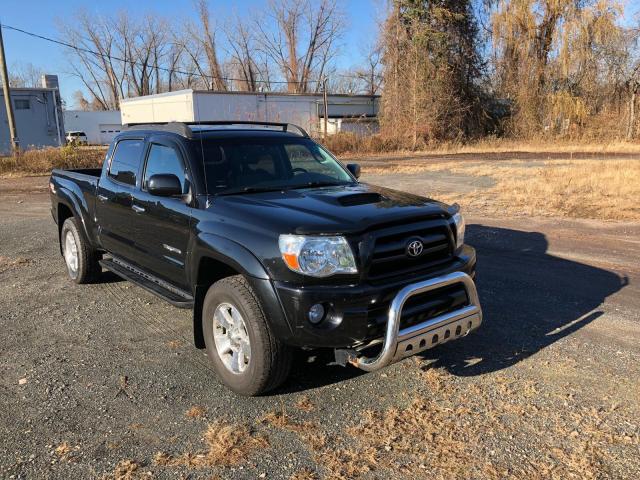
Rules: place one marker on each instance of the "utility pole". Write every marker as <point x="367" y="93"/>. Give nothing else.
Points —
<point x="15" y="144"/>
<point x="326" y="105"/>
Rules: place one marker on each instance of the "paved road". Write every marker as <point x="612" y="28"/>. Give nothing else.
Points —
<point x="95" y="375"/>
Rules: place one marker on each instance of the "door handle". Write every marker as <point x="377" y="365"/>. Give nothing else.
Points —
<point x="102" y="198"/>
<point x="137" y="209"/>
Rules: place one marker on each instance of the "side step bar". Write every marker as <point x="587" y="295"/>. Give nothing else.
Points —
<point x="162" y="289"/>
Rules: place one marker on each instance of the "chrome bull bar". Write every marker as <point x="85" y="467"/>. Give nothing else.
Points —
<point x="398" y="344"/>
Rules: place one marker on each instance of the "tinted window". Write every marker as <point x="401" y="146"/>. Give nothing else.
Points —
<point x="274" y="164"/>
<point x="163" y="159"/>
<point x="126" y="161"/>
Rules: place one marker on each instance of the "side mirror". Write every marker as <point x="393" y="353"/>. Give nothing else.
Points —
<point x="164" y="185"/>
<point x="354" y="168"/>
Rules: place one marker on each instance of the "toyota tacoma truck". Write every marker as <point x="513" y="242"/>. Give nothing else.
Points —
<point x="273" y="243"/>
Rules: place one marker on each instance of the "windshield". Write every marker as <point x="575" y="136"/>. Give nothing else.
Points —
<point x="242" y="165"/>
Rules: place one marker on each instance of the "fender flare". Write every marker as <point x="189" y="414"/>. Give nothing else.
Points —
<point x="228" y="252"/>
<point x="67" y="198"/>
<point x="243" y="261"/>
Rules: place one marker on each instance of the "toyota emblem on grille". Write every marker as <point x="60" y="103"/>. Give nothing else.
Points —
<point x="414" y="248"/>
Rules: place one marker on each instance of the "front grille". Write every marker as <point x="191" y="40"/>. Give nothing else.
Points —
<point x="420" y="308"/>
<point x="389" y="256"/>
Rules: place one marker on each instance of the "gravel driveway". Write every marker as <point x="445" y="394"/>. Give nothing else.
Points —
<point x="101" y="381"/>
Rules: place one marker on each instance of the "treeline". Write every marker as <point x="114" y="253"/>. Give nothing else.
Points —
<point x="522" y="68"/>
<point x="446" y="69"/>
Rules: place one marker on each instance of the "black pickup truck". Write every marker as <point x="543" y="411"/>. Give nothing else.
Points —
<point x="273" y="243"/>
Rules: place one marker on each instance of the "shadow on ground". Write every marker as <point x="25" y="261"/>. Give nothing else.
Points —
<point x="530" y="300"/>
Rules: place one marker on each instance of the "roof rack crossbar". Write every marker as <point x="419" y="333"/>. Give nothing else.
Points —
<point x="184" y="128"/>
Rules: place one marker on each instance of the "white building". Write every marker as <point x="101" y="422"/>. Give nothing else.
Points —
<point x="99" y="126"/>
<point x="355" y="113"/>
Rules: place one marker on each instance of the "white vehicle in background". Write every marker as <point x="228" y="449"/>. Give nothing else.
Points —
<point x="76" y="137"/>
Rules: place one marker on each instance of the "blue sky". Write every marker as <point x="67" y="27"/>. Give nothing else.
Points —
<point x="42" y="17"/>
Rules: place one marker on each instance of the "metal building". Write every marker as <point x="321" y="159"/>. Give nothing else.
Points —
<point x="306" y="110"/>
<point x="38" y="116"/>
<point x="99" y="126"/>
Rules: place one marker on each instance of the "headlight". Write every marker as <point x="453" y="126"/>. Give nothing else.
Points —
<point x="317" y="256"/>
<point x="458" y="219"/>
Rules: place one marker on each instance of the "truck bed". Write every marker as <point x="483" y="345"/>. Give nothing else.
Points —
<point x="77" y="173"/>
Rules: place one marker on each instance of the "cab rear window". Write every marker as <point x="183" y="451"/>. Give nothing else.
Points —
<point x="125" y="162"/>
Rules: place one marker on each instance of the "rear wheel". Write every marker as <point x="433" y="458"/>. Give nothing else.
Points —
<point x="245" y="354"/>
<point x="80" y="258"/>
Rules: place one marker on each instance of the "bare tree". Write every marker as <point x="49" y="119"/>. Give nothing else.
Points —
<point x="25" y="75"/>
<point x="302" y="41"/>
<point x="101" y="75"/>
<point x="371" y="72"/>
<point x="245" y="64"/>
<point x="206" y="36"/>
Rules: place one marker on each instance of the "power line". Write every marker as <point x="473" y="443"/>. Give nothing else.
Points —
<point x="154" y="66"/>
<point x="133" y="62"/>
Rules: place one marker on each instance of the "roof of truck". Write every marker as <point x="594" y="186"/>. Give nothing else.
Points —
<point x="222" y="128"/>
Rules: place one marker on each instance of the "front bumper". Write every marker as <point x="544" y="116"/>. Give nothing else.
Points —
<point x="358" y="314"/>
<point x="398" y="344"/>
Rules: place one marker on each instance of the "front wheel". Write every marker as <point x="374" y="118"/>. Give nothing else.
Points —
<point x="245" y="354"/>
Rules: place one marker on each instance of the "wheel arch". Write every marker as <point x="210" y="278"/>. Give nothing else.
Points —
<point x="68" y="205"/>
<point x="67" y="208"/>
<point x="212" y="259"/>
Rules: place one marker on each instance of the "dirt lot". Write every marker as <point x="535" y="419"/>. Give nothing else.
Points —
<point x="101" y="381"/>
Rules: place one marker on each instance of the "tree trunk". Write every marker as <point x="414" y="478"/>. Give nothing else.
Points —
<point x="632" y="113"/>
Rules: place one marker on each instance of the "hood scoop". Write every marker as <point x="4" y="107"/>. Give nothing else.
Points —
<point x="360" y="199"/>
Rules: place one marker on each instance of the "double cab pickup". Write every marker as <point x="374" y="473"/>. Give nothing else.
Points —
<point x="274" y="245"/>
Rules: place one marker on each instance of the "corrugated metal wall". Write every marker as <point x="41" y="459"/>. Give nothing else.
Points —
<point x="35" y="114"/>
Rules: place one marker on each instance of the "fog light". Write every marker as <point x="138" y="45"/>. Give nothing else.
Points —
<point x="316" y="313"/>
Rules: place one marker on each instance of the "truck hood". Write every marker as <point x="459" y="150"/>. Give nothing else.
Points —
<point x="341" y="209"/>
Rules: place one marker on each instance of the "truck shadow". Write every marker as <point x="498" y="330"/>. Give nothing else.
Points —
<point x="530" y="299"/>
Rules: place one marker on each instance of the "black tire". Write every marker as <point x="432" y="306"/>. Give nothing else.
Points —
<point x="88" y="269"/>
<point x="270" y="360"/>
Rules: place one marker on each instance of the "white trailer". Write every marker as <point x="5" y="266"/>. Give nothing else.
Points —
<point x="306" y="110"/>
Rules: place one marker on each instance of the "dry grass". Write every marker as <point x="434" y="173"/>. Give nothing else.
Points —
<point x="125" y="470"/>
<point x="226" y="444"/>
<point x="66" y="453"/>
<point x="197" y="411"/>
<point x="304" y="474"/>
<point x="42" y="161"/>
<point x="349" y="144"/>
<point x="509" y="430"/>
<point x="599" y="189"/>
<point x="493" y="145"/>
<point x="284" y="421"/>
<point x="7" y="263"/>
<point x="305" y="404"/>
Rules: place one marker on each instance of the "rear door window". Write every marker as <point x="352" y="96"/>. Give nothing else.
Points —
<point x="125" y="162"/>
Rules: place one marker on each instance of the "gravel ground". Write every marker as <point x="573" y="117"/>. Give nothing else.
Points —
<point x="101" y="381"/>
